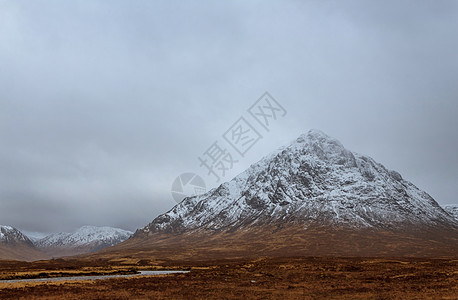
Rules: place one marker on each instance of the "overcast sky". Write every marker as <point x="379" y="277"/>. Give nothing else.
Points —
<point x="104" y="103"/>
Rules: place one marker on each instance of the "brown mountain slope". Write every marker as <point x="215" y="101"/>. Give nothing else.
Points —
<point x="19" y="251"/>
<point x="55" y="252"/>
<point x="17" y="246"/>
<point x="289" y="241"/>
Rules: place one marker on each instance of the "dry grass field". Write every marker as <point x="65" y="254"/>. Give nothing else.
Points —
<point x="262" y="278"/>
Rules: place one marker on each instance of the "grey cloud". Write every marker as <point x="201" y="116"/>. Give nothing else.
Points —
<point x="104" y="103"/>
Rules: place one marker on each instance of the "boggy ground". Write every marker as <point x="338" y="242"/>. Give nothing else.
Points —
<point x="262" y="278"/>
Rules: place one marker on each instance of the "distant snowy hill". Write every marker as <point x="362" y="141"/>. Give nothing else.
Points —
<point x="9" y="235"/>
<point x="85" y="239"/>
<point x="16" y="245"/>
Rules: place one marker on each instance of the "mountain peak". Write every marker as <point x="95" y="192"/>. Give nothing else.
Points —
<point x="314" y="180"/>
<point x="9" y="234"/>
<point x="86" y="228"/>
<point x="17" y="246"/>
<point x="325" y="148"/>
<point x="315" y="135"/>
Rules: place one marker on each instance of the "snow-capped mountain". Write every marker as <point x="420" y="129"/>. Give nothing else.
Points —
<point x="312" y="181"/>
<point x="10" y="235"/>
<point x="17" y="246"/>
<point x="452" y="209"/>
<point x="85" y="239"/>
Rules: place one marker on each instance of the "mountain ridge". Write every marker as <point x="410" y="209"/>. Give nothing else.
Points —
<point x="14" y="245"/>
<point x="9" y="234"/>
<point x="314" y="179"/>
<point x="84" y="239"/>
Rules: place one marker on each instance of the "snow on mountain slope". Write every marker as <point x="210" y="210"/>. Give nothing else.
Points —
<point x="86" y="236"/>
<point x="312" y="181"/>
<point x="10" y="234"/>
<point x="452" y="209"/>
<point x="17" y="246"/>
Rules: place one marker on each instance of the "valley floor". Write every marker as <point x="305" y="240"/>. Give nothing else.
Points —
<point x="264" y="278"/>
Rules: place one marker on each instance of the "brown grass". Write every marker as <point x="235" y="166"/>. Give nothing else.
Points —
<point x="262" y="278"/>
